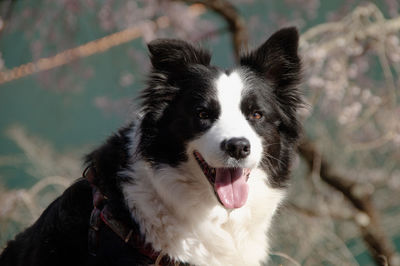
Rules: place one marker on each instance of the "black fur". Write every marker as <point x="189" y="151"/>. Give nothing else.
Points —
<point x="273" y="71"/>
<point x="59" y="236"/>
<point x="180" y="83"/>
<point x="108" y="160"/>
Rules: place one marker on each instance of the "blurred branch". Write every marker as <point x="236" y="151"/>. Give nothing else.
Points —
<point x="232" y="17"/>
<point x="67" y="56"/>
<point x="90" y="48"/>
<point x="223" y="8"/>
<point x="365" y="28"/>
<point x="379" y="245"/>
<point x="315" y="214"/>
<point x="364" y="23"/>
<point x="29" y="197"/>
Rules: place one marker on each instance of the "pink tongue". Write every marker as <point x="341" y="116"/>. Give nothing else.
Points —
<point x="231" y="186"/>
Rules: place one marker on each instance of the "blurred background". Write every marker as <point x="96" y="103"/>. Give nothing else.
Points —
<point x="70" y="71"/>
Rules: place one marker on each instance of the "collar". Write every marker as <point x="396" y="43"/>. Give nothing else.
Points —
<point x="131" y="235"/>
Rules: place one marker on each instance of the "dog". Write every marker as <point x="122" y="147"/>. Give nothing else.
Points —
<point x="195" y="179"/>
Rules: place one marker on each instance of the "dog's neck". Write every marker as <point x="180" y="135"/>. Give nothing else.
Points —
<point x="179" y="215"/>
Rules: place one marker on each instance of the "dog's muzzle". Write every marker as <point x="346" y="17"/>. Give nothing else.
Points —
<point x="229" y="184"/>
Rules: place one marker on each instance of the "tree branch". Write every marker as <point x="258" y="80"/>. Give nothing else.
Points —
<point x="232" y="17"/>
<point x="377" y="242"/>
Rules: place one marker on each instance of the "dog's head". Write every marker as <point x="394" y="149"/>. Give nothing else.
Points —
<point x="230" y="122"/>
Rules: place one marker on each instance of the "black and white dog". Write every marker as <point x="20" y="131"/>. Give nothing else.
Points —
<point x="201" y="170"/>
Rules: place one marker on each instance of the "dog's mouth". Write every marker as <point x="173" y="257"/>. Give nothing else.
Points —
<point x="229" y="184"/>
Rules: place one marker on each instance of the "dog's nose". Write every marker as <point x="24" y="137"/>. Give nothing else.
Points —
<point x="238" y="148"/>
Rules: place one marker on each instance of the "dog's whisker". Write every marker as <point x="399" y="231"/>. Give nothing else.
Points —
<point x="269" y="156"/>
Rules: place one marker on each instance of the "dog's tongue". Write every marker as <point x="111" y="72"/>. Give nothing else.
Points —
<point x="231" y="186"/>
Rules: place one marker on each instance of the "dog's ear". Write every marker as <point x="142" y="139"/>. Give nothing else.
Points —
<point x="170" y="54"/>
<point x="277" y="59"/>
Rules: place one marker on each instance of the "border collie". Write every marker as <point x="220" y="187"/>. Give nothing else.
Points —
<point x="200" y="172"/>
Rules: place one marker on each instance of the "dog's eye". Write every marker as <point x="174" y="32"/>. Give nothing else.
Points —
<point x="256" y="115"/>
<point x="203" y="114"/>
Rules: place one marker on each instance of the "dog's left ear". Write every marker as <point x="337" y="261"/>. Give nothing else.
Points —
<point x="171" y="54"/>
<point x="277" y="59"/>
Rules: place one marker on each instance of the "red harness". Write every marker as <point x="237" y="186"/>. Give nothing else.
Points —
<point x="130" y="235"/>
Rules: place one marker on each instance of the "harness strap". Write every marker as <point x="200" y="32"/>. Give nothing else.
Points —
<point x="94" y="227"/>
<point x="132" y="236"/>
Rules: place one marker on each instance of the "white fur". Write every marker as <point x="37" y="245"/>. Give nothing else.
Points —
<point x="230" y="124"/>
<point x="176" y="207"/>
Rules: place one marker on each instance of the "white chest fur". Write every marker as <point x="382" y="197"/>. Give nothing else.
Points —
<point x="180" y="215"/>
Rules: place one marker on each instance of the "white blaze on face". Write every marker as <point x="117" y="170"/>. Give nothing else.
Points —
<point x="230" y="124"/>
